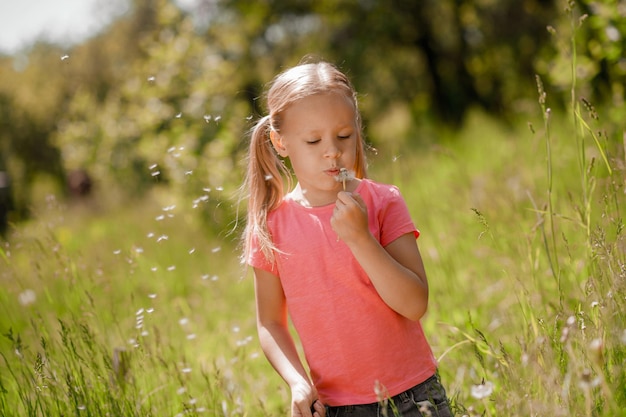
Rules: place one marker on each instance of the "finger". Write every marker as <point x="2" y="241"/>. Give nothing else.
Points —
<point x="357" y="197"/>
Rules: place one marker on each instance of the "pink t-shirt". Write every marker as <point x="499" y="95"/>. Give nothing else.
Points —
<point x="351" y="339"/>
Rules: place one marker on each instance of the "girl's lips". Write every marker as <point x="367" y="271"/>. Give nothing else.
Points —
<point x="333" y="172"/>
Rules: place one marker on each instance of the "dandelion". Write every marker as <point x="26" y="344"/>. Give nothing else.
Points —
<point x="483" y="390"/>
<point x="27" y="297"/>
<point x="343" y="176"/>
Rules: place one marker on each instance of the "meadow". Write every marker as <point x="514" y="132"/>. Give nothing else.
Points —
<point x="139" y="309"/>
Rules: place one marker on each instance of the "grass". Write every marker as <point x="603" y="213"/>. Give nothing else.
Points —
<point x="142" y="310"/>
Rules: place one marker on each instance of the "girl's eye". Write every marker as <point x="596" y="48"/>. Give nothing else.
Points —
<point x="312" y="142"/>
<point x="344" y="136"/>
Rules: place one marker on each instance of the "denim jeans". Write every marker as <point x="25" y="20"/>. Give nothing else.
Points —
<point x="427" y="399"/>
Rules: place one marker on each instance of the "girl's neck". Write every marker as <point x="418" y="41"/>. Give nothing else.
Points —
<point x="300" y="196"/>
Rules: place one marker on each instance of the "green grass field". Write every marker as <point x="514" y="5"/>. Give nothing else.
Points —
<point x="142" y="309"/>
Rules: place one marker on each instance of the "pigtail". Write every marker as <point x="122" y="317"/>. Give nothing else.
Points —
<point x="264" y="181"/>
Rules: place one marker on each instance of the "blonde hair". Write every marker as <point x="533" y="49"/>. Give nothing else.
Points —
<point x="266" y="171"/>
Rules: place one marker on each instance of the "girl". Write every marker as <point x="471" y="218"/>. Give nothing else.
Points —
<point x="337" y="253"/>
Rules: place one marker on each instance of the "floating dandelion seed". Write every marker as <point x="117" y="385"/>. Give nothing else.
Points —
<point x="151" y="79"/>
<point x="186" y="370"/>
<point x="217" y="118"/>
<point x="155" y="173"/>
<point x="144" y="333"/>
<point x="207" y="118"/>
<point x="483" y="390"/>
<point x="192" y="250"/>
<point x="181" y="390"/>
<point x="188" y="173"/>
<point x="191" y="336"/>
<point x="179" y="115"/>
<point x="159" y="217"/>
<point x="152" y="296"/>
<point x="117" y="252"/>
<point x="216" y="249"/>
<point x="343" y="176"/>
<point x="150" y="235"/>
<point x="153" y="166"/>
<point x="171" y="268"/>
<point x="154" y="268"/>
<point x="205" y="277"/>
<point x="184" y="321"/>
<point x="27" y="297"/>
<point x="64" y="57"/>
<point x="268" y="177"/>
<point x="150" y="310"/>
<point x="162" y="237"/>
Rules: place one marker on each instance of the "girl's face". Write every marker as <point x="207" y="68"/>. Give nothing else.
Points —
<point x="319" y="134"/>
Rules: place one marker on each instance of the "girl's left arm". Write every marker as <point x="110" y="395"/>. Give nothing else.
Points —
<point x="396" y="270"/>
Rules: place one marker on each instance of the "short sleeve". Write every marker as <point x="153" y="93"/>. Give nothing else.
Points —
<point x="256" y="258"/>
<point x="395" y="219"/>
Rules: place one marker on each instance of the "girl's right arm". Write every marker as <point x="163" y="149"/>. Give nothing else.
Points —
<point x="278" y="345"/>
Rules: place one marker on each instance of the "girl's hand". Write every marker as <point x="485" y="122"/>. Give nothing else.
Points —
<point x="304" y="402"/>
<point x="349" y="219"/>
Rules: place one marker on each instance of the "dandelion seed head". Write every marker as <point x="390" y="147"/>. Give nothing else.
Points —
<point x="483" y="390"/>
<point x="27" y="297"/>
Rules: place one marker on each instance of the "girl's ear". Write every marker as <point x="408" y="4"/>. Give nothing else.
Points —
<point x="277" y="142"/>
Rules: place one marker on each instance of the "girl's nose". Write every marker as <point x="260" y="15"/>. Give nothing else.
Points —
<point x="333" y="150"/>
